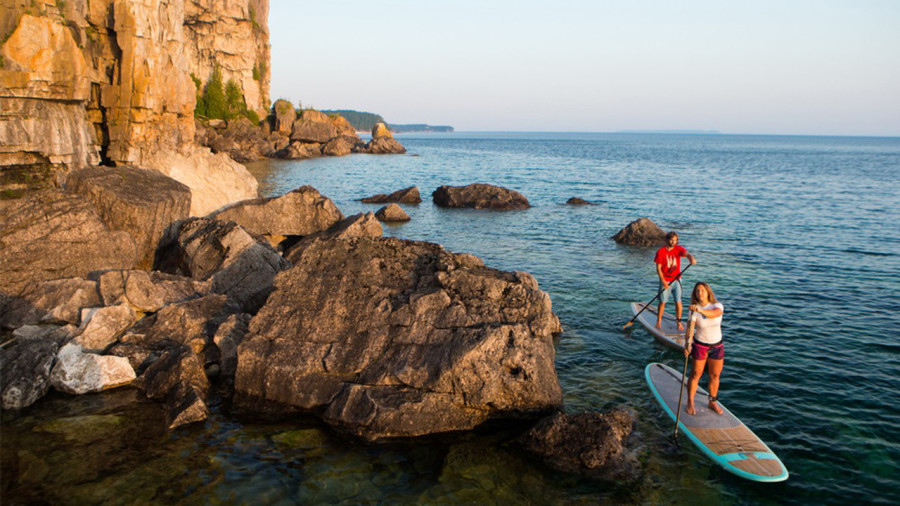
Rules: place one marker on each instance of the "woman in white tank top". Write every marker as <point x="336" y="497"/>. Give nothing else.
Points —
<point x="707" y="349"/>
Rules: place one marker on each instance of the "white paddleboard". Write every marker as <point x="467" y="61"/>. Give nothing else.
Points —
<point x="668" y="334"/>
<point x="723" y="438"/>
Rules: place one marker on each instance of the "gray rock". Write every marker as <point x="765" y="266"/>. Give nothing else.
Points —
<point x="591" y="444"/>
<point x="104" y="326"/>
<point x="52" y="235"/>
<point x="56" y="301"/>
<point x="299" y="212"/>
<point x="641" y="232"/>
<point x="234" y="262"/>
<point x="405" y="196"/>
<point x="142" y="203"/>
<point x="178" y="379"/>
<point x="392" y="213"/>
<point x="358" y="225"/>
<point x="148" y="291"/>
<point x="78" y="373"/>
<point x="27" y="361"/>
<point x="480" y="196"/>
<point x="392" y="338"/>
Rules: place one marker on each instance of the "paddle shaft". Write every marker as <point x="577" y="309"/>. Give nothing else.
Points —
<point x="687" y="344"/>
<point x="678" y="277"/>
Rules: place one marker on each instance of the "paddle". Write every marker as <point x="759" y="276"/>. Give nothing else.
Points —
<point x="631" y="322"/>
<point x="687" y="345"/>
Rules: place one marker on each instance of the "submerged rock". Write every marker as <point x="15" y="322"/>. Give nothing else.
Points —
<point x="591" y="444"/>
<point x="575" y="201"/>
<point x="641" y="232"/>
<point x="480" y="196"/>
<point x="392" y="338"/>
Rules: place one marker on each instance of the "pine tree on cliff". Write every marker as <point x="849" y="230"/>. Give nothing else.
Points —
<point x="214" y="96"/>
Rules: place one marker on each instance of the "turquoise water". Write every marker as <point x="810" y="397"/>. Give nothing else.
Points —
<point x="798" y="236"/>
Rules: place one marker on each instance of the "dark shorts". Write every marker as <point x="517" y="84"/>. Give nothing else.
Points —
<point x="702" y="352"/>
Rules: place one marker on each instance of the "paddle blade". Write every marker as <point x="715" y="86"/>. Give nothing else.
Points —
<point x="628" y="325"/>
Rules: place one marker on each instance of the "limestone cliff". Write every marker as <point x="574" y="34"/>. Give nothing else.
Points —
<point x="85" y="81"/>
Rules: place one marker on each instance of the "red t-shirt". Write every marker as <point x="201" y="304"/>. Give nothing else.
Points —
<point x="670" y="261"/>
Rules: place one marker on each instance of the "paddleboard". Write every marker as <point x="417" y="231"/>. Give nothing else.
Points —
<point x="669" y="334"/>
<point x="723" y="438"/>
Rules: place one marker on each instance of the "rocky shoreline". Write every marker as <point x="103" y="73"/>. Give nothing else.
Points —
<point x="281" y="305"/>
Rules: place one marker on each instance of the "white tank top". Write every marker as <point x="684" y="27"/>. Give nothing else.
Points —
<point x="708" y="330"/>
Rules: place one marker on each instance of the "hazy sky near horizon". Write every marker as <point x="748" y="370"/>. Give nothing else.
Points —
<point x="822" y="67"/>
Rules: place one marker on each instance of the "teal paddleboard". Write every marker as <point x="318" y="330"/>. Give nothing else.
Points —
<point x="723" y="438"/>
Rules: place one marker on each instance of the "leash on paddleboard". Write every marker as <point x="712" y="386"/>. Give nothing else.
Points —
<point x="687" y="346"/>
<point x="631" y="322"/>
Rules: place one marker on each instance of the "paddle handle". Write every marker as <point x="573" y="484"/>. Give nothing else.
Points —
<point x="687" y="344"/>
<point x="631" y="321"/>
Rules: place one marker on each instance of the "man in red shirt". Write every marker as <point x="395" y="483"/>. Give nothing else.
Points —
<point x="668" y="268"/>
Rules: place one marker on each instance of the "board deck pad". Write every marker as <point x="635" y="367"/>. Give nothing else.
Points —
<point x="723" y="438"/>
<point x="669" y="334"/>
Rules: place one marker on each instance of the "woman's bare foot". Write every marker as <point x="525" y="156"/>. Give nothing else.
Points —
<point x="690" y="409"/>
<point x="680" y="325"/>
<point x="715" y="407"/>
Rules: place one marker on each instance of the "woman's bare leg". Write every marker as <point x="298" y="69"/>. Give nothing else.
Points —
<point x="714" y="369"/>
<point x="696" y="372"/>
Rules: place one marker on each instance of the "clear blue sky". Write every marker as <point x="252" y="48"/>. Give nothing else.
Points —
<point x="824" y="67"/>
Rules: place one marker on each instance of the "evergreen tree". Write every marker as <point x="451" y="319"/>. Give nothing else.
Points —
<point x="214" y="96"/>
<point x="234" y="101"/>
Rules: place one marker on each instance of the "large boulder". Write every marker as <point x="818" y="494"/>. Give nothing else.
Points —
<point x="77" y="372"/>
<point x="313" y="126"/>
<point x="393" y="338"/>
<point x="384" y="146"/>
<point x="299" y="212"/>
<point x="297" y="150"/>
<point x="55" y="301"/>
<point x="53" y="234"/>
<point x="27" y="360"/>
<point x="339" y="146"/>
<point x="641" y="232"/>
<point x="285" y="114"/>
<point x="405" y="196"/>
<point x="103" y="326"/>
<point x="234" y="262"/>
<point x="141" y="202"/>
<point x="480" y="196"/>
<point x="215" y="180"/>
<point x="591" y="444"/>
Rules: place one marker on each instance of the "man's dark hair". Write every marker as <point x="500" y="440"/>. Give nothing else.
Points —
<point x="670" y="235"/>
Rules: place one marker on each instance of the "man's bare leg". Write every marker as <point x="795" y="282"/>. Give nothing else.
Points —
<point x="659" y="314"/>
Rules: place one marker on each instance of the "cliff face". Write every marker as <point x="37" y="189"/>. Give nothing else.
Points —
<point x="84" y="81"/>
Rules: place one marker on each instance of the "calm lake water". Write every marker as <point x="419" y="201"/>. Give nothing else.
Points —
<point x="798" y="236"/>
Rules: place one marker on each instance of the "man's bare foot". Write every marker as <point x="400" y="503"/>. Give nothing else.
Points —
<point x="659" y="325"/>
<point x="715" y="407"/>
<point x="690" y="409"/>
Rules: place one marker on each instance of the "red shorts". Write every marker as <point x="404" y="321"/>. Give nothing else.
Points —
<point x="700" y="351"/>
